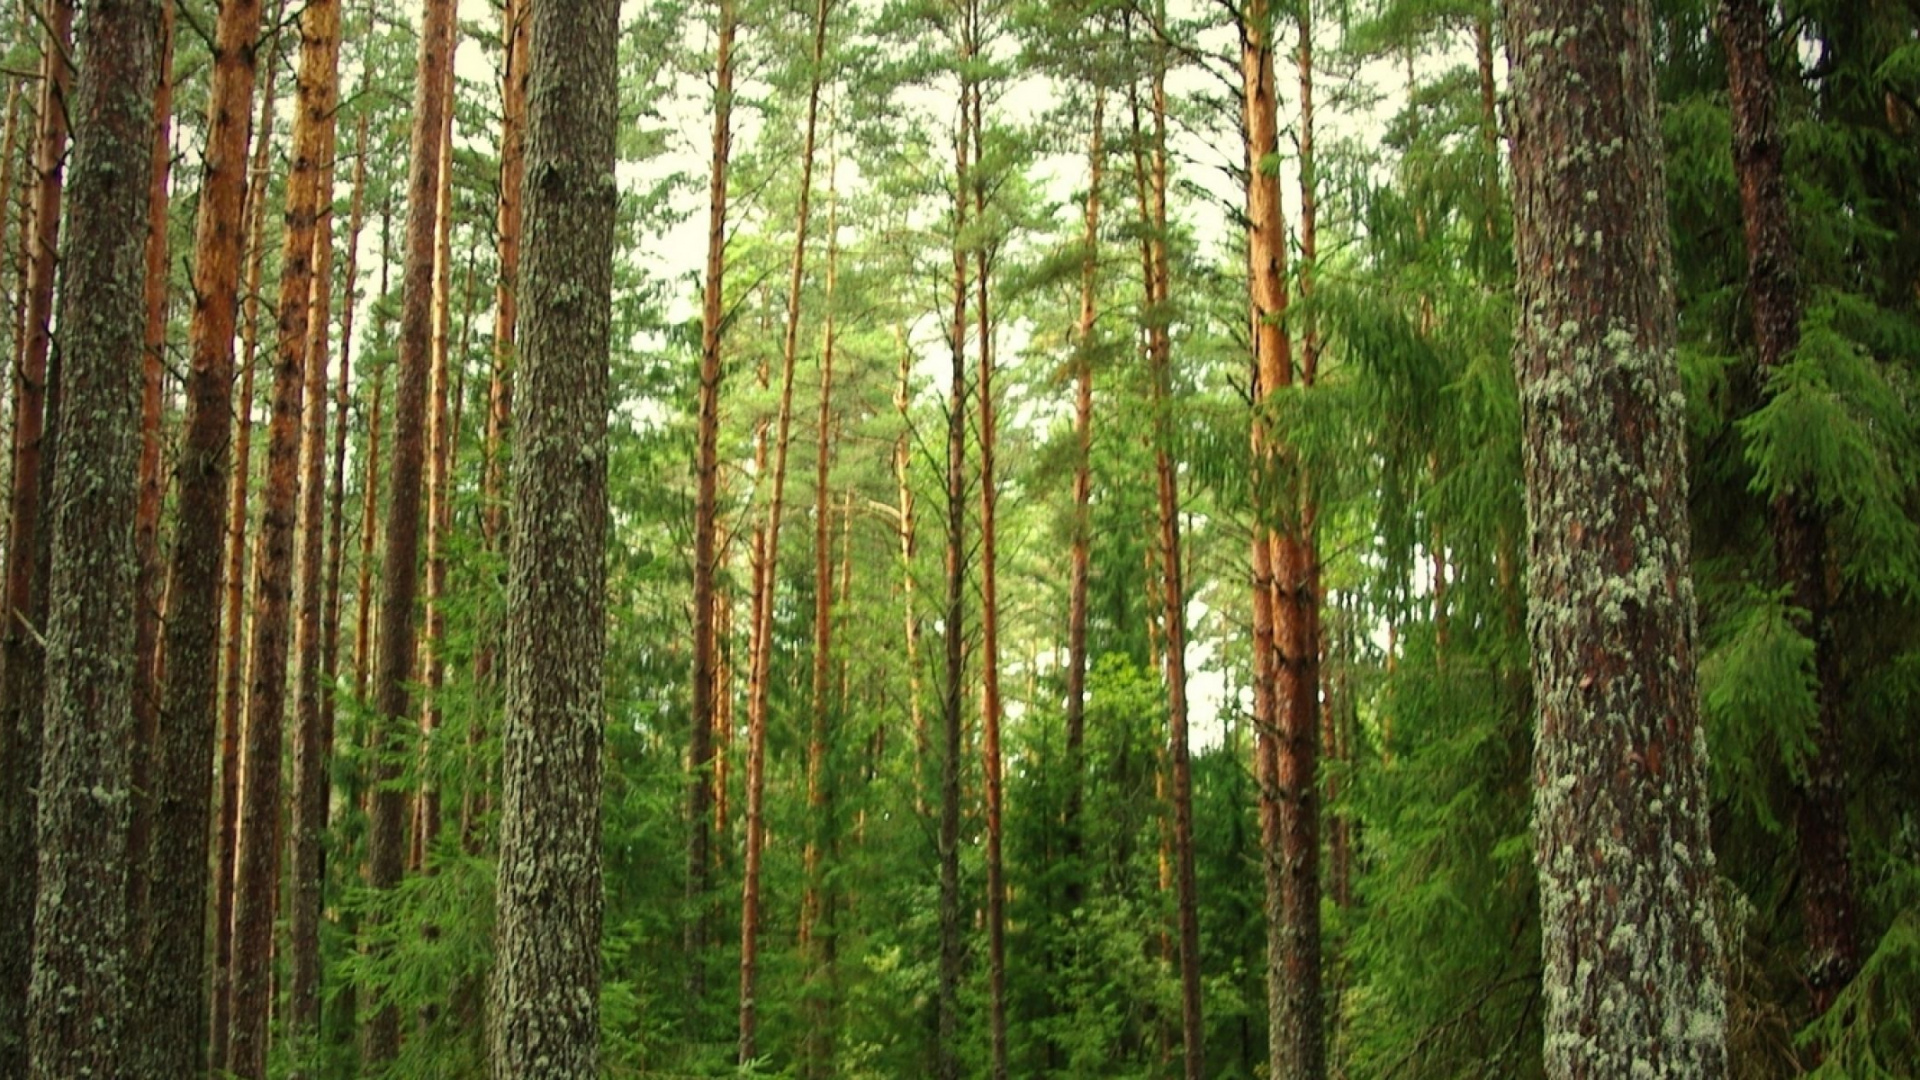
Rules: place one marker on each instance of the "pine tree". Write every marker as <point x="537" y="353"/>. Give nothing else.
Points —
<point x="20" y="654"/>
<point x="172" y="985"/>
<point x="77" y="1004"/>
<point x="546" y="1014"/>
<point x="1633" y="976"/>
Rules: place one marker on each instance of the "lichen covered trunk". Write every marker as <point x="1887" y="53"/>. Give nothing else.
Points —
<point x="546" y="991"/>
<point x="77" y="1004"/>
<point x="1633" y="977"/>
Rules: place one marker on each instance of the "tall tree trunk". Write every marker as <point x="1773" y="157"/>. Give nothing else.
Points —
<point x="401" y="572"/>
<point x="77" y="1005"/>
<point x="759" y="689"/>
<point x="1632" y="963"/>
<point x="546" y="1021"/>
<point x="370" y="495"/>
<point x="173" y="980"/>
<point x="991" y="710"/>
<point x="20" y="649"/>
<point x="816" y="931"/>
<point x="952" y="692"/>
<point x="516" y="23"/>
<point x="1799" y="525"/>
<point x="313" y="733"/>
<point x="233" y="693"/>
<point x="257" y="863"/>
<point x="701" y="764"/>
<point x="440" y="438"/>
<point x="909" y="549"/>
<point x="146" y="525"/>
<point x="343" y="405"/>
<point x="1150" y="162"/>
<point x="1086" y="345"/>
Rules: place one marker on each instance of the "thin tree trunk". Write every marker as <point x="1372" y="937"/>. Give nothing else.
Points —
<point x="77" y="1005"/>
<point x="173" y="982"/>
<point x="991" y="710"/>
<point x="705" y="779"/>
<point x="439" y="488"/>
<point x="370" y="495"/>
<point x="234" y="627"/>
<point x="1080" y="557"/>
<point x="759" y="689"/>
<point x="313" y="733"/>
<point x="146" y="525"/>
<point x="816" y="935"/>
<point x="947" y="991"/>
<point x="401" y="572"/>
<point x="909" y="548"/>
<point x="1799" y="525"/>
<point x="546" y="1014"/>
<point x="257" y="861"/>
<point x="1633" y="975"/>
<point x="1151" y="166"/>
<point x="21" y="654"/>
<point x="343" y="404"/>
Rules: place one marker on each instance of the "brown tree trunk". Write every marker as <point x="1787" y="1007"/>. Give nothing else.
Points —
<point x="20" y="649"/>
<point x="233" y="694"/>
<point x="1150" y="163"/>
<point x="704" y="777"/>
<point x="1799" y="525"/>
<point x="257" y="861"/>
<point x="759" y="689"/>
<point x="173" y="979"/>
<point x="546" y="1010"/>
<point x="440" y="438"/>
<point x="909" y="549"/>
<point x="816" y="932"/>
<point x="1631" y="956"/>
<point x="952" y="692"/>
<point x="146" y="524"/>
<point x="401" y="572"/>
<point x="370" y="495"/>
<point x="1079" y="558"/>
<point x="78" y="1004"/>
<point x="991" y="709"/>
<point x="343" y="404"/>
<point x="313" y="734"/>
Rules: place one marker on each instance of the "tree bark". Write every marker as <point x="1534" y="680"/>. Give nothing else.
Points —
<point x="546" y="1015"/>
<point x="21" y="655"/>
<point x="401" y="572"/>
<point x="233" y="693"/>
<point x="1799" y="526"/>
<point x="257" y="862"/>
<point x="701" y="764"/>
<point x="313" y="730"/>
<point x="172" y="980"/>
<point x="146" y="526"/>
<point x="343" y="405"/>
<point x="1633" y="974"/>
<point x="77" y="1003"/>
<point x="440" y="439"/>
